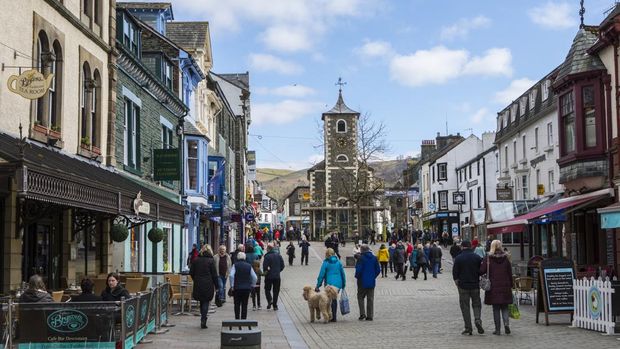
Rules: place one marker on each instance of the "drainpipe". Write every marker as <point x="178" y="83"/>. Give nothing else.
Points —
<point x="617" y="94"/>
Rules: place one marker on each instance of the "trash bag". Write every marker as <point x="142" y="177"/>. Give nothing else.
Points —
<point x="344" y="303"/>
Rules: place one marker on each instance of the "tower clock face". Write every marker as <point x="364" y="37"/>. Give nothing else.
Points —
<point x="342" y="142"/>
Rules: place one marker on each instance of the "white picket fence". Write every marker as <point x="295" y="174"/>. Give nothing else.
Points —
<point x="593" y="305"/>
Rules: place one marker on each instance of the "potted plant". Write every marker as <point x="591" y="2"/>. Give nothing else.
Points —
<point x="156" y="235"/>
<point x="85" y="142"/>
<point x="96" y="150"/>
<point x="119" y="233"/>
<point x="54" y="132"/>
<point x="39" y="127"/>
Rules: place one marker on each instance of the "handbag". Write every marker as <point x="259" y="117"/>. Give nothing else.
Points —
<point x="344" y="303"/>
<point x="231" y="292"/>
<point x="485" y="282"/>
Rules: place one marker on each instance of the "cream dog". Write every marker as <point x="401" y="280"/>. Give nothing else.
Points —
<point x="320" y="302"/>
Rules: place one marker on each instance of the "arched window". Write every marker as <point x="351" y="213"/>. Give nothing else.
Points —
<point x="55" y="90"/>
<point x="42" y="55"/>
<point x="84" y="106"/>
<point x="341" y="126"/>
<point x="95" y="108"/>
<point x="342" y="158"/>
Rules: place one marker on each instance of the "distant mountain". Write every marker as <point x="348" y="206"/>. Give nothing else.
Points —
<point x="280" y="183"/>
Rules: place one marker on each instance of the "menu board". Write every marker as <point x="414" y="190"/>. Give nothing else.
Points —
<point x="555" y="287"/>
<point x="611" y="260"/>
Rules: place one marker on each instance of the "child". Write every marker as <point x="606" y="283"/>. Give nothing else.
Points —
<point x="256" y="289"/>
<point x="290" y="251"/>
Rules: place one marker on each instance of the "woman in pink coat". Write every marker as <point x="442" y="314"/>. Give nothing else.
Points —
<point x="500" y="294"/>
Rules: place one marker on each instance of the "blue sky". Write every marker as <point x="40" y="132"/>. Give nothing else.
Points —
<point x="412" y="64"/>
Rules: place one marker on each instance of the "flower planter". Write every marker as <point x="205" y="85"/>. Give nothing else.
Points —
<point x="96" y="150"/>
<point x="40" y="128"/>
<point x="55" y="134"/>
<point x="85" y="146"/>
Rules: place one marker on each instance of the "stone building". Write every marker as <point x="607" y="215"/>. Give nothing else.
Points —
<point x="344" y="190"/>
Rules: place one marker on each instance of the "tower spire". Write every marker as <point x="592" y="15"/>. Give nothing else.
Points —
<point x="340" y="83"/>
<point x="582" y="10"/>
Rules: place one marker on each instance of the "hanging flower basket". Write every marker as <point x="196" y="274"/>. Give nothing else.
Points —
<point x="119" y="233"/>
<point x="156" y="235"/>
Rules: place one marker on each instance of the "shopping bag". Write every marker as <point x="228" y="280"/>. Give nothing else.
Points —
<point x="344" y="303"/>
<point x="513" y="311"/>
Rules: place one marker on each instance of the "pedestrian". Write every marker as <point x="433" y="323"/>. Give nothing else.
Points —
<point x="455" y="249"/>
<point x="250" y="253"/>
<point x="87" y="285"/>
<point x="242" y="282"/>
<point x="479" y="250"/>
<point x="114" y="292"/>
<point x="191" y="257"/>
<point x="499" y="271"/>
<point x="36" y="292"/>
<point x="305" y="249"/>
<point x="331" y="274"/>
<point x="391" y="252"/>
<point x="487" y="246"/>
<point x="384" y="257"/>
<point x="413" y="261"/>
<point x="474" y="242"/>
<point x="256" y="289"/>
<point x="444" y="239"/>
<point x="421" y="262"/>
<point x="290" y="252"/>
<point x="204" y="274"/>
<point x="373" y="237"/>
<point x="466" y="275"/>
<point x="435" y="258"/>
<point x="366" y="271"/>
<point x="273" y="264"/>
<point x="399" y="260"/>
<point x="223" y="264"/>
<point x="233" y="256"/>
<point x="336" y="244"/>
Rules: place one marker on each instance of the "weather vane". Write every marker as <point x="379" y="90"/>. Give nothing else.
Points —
<point x="582" y="10"/>
<point x="340" y="83"/>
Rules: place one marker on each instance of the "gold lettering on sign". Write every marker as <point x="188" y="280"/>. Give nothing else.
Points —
<point x="30" y="84"/>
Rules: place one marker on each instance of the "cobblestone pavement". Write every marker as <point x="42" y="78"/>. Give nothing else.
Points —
<point x="419" y="313"/>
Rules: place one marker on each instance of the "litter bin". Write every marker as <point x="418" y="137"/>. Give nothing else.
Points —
<point x="242" y="334"/>
<point x="349" y="261"/>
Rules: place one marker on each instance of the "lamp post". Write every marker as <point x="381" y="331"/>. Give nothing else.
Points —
<point x="459" y="199"/>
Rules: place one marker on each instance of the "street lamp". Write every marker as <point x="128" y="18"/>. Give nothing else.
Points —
<point x="459" y="199"/>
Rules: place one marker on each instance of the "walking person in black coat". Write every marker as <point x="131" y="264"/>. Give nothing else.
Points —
<point x="466" y="275"/>
<point x="273" y="264"/>
<point x="205" y="278"/>
<point x="242" y="281"/>
<point x="305" y="249"/>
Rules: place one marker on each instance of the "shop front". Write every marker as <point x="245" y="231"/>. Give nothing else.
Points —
<point x="58" y="212"/>
<point x="444" y="221"/>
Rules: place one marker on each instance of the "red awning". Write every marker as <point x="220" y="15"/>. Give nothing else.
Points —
<point x="518" y="224"/>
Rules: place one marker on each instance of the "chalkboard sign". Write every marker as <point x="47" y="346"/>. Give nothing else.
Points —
<point x="611" y="244"/>
<point x="555" y="287"/>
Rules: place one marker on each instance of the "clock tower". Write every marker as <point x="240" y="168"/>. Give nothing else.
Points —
<point x="340" y="135"/>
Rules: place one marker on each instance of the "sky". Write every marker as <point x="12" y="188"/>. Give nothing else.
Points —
<point x="418" y="66"/>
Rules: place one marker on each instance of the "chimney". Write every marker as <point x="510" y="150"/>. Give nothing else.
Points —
<point x="427" y="148"/>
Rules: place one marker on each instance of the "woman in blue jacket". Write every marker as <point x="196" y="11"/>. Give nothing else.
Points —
<point x="331" y="274"/>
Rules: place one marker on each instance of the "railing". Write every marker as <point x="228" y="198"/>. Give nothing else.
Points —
<point x="593" y="305"/>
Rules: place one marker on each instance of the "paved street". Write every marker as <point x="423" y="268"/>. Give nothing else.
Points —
<point x="421" y="313"/>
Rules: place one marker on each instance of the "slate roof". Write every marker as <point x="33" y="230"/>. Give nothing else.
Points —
<point x="578" y="60"/>
<point x="241" y="80"/>
<point x="610" y="17"/>
<point x="340" y="107"/>
<point x="145" y="5"/>
<point x="189" y="35"/>
<point x="191" y="130"/>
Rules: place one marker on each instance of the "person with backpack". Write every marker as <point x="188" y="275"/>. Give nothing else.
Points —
<point x="290" y="252"/>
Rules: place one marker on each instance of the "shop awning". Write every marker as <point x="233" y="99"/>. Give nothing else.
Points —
<point x="48" y="174"/>
<point x="610" y="216"/>
<point x="518" y="224"/>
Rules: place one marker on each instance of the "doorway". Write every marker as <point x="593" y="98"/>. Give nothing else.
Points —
<point x="42" y="251"/>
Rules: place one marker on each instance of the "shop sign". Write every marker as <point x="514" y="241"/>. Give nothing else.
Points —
<point x="67" y="321"/>
<point x="504" y="194"/>
<point x="166" y="165"/>
<point x="540" y="189"/>
<point x="30" y="84"/>
<point x="458" y="198"/>
<point x="140" y="206"/>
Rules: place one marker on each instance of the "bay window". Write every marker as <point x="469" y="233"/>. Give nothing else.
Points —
<point x="192" y="165"/>
<point x="589" y="116"/>
<point x="567" y="115"/>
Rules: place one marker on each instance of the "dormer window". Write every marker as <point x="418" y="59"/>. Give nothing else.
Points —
<point x="523" y="105"/>
<point x="168" y="74"/>
<point x="341" y="126"/>
<point x="131" y="36"/>
<point x="545" y="89"/>
<point x="513" y="112"/>
<point x="533" y="99"/>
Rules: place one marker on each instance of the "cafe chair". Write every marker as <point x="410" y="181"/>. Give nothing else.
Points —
<point x="133" y="285"/>
<point x="524" y="288"/>
<point x="57" y="296"/>
<point x="145" y="283"/>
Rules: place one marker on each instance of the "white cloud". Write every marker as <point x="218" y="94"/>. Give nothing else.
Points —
<point x="479" y="116"/>
<point x="287" y="39"/>
<point x="293" y="91"/>
<point x="375" y="49"/>
<point x="514" y="90"/>
<point x="440" y="64"/>
<point x="270" y="63"/>
<point x="283" y="112"/>
<point x="463" y="26"/>
<point x="554" y="15"/>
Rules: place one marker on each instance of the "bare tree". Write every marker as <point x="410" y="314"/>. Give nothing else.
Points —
<point x="359" y="185"/>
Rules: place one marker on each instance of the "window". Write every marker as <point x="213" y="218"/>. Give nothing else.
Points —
<point x="524" y="146"/>
<point x="168" y="75"/>
<point x="166" y="137"/>
<point x="551" y="185"/>
<point x="479" y="197"/>
<point x="550" y="134"/>
<point x="342" y="158"/>
<point x="86" y="7"/>
<point x="506" y="157"/>
<point x="589" y="113"/>
<point x="443" y="200"/>
<point x="497" y="162"/>
<point x="478" y="168"/>
<point x="533" y="98"/>
<point x="514" y="151"/>
<point x="341" y="126"/>
<point x="297" y="208"/>
<point x="523" y="105"/>
<point x="132" y="135"/>
<point x="536" y="139"/>
<point x="567" y="115"/>
<point x="465" y="173"/>
<point x="433" y="169"/>
<point x="97" y="11"/>
<point x="470" y="171"/>
<point x="537" y="180"/>
<point x="89" y="105"/>
<point x="434" y="201"/>
<point x="524" y="187"/>
<point x="460" y="176"/>
<point x="442" y="172"/>
<point x="471" y="198"/>
<point x="545" y="89"/>
<point x="192" y="164"/>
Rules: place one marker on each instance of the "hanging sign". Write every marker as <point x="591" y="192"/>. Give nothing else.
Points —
<point x="30" y="84"/>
